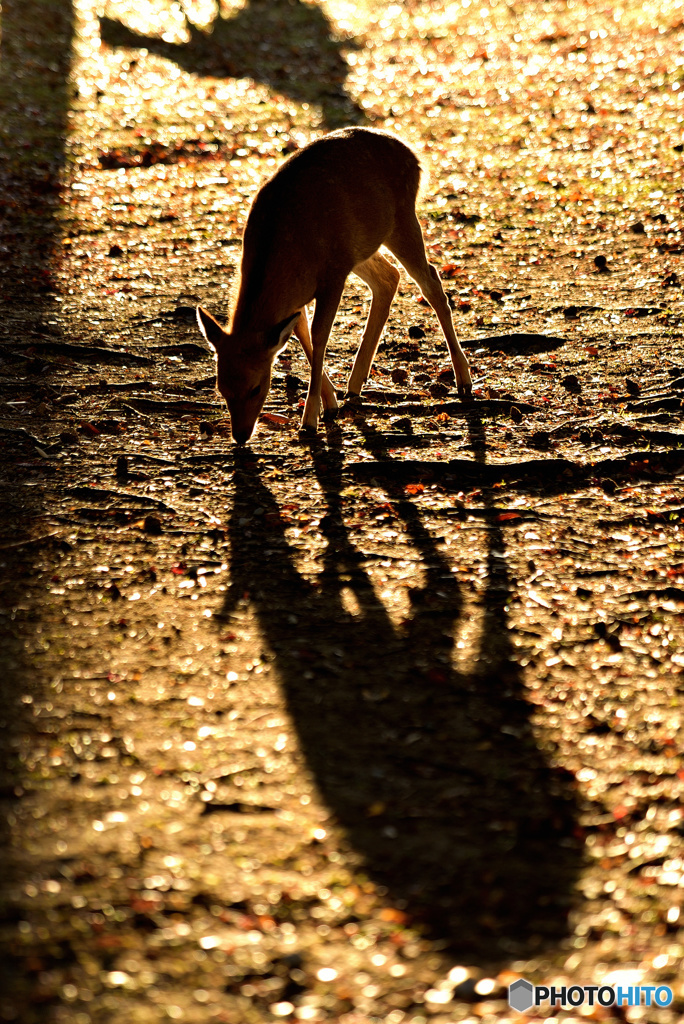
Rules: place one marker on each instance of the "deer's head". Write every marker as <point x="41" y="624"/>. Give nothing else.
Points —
<point x="244" y="361"/>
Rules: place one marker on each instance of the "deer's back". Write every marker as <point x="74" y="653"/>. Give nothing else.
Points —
<point x="346" y="187"/>
<point x="328" y="207"/>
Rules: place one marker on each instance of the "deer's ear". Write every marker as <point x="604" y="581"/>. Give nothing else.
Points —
<point x="210" y="328"/>
<point x="280" y="334"/>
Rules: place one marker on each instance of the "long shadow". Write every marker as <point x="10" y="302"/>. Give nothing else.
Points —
<point x="434" y="774"/>
<point x="35" y="60"/>
<point x="288" y="45"/>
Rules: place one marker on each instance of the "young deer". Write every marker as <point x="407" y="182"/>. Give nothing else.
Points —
<point x="323" y="215"/>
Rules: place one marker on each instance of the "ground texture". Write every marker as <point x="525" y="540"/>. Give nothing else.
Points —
<point x="363" y="728"/>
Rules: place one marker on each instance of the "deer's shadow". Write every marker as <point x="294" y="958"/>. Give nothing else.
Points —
<point x="434" y="775"/>
<point x="287" y="45"/>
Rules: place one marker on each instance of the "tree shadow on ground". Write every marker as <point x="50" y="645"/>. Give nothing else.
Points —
<point x="35" y="61"/>
<point x="434" y="774"/>
<point x="287" y="45"/>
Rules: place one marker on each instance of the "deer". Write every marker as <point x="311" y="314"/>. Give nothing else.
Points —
<point x="323" y="215"/>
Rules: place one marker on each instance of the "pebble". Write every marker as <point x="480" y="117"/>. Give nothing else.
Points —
<point x="403" y="423"/>
<point x="540" y="439"/>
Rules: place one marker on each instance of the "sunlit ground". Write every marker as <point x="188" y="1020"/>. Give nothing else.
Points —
<point x="551" y="134"/>
<point x="574" y="114"/>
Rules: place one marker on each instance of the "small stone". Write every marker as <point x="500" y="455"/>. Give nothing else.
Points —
<point x="186" y="313"/>
<point x="540" y="439"/>
<point x="415" y="331"/>
<point x="152" y="525"/>
<point x="571" y="382"/>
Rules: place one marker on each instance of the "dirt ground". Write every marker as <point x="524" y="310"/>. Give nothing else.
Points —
<point x="363" y="728"/>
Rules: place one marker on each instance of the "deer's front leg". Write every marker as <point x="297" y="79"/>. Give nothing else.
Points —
<point x="327" y="302"/>
<point x="328" y="395"/>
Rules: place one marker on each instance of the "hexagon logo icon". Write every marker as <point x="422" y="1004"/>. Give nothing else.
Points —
<point x="520" y="995"/>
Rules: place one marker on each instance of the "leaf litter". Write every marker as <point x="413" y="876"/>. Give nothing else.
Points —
<point x="364" y="729"/>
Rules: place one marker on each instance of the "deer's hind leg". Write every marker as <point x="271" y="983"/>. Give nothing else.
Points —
<point x="382" y="279"/>
<point x="406" y="242"/>
<point x="328" y="396"/>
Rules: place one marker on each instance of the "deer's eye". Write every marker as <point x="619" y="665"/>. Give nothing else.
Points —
<point x="255" y="391"/>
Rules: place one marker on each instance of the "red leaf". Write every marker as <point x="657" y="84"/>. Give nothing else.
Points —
<point x="450" y="270"/>
<point x="275" y="418"/>
<point x="393" y="916"/>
